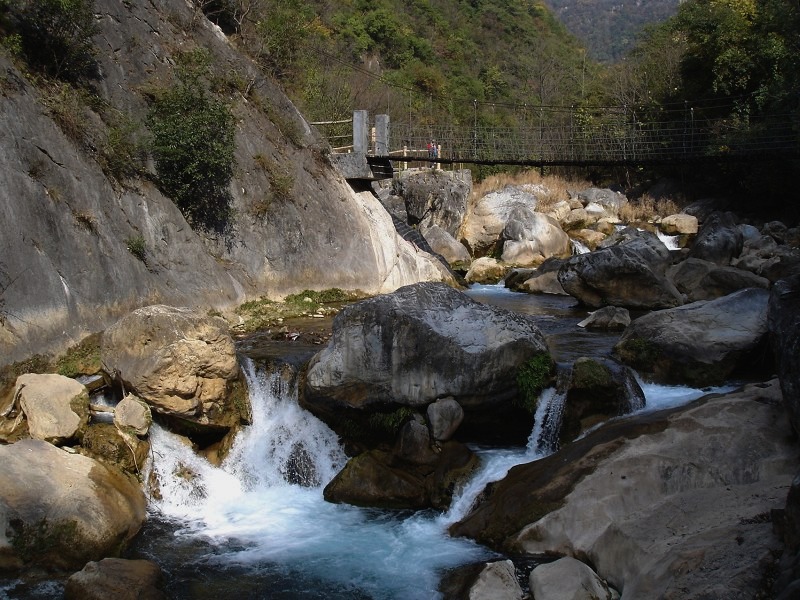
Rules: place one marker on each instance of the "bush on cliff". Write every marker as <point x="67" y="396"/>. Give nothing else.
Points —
<point x="193" y="145"/>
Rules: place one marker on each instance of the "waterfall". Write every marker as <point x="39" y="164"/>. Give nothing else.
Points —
<point x="549" y="414"/>
<point x="670" y="241"/>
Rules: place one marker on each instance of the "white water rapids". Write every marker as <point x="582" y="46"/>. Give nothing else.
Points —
<point x="245" y="517"/>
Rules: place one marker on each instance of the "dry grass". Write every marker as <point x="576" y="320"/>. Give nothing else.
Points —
<point x="556" y="186"/>
<point x="646" y="208"/>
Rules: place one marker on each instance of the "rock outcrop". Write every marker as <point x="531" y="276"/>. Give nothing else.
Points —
<point x="666" y="505"/>
<point x="61" y="510"/>
<point x="702" y="343"/>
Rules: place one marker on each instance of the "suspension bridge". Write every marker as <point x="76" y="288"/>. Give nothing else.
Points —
<point x="576" y="137"/>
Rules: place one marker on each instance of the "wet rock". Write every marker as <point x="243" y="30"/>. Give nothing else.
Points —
<point x="702" y="343"/>
<point x="609" y="318"/>
<point x="116" y="578"/>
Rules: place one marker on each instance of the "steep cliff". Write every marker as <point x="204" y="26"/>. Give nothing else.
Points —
<point x="79" y="247"/>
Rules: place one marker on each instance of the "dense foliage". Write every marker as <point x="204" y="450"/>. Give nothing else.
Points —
<point x="193" y="145"/>
<point x="55" y="36"/>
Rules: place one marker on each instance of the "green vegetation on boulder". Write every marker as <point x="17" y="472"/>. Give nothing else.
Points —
<point x="532" y="377"/>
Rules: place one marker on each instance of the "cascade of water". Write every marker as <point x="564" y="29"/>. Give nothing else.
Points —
<point x="549" y="414"/>
<point x="578" y="247"/>
<point x="670" y="241"/>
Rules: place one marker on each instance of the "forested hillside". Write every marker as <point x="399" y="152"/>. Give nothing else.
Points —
<point x="609" y="28"/>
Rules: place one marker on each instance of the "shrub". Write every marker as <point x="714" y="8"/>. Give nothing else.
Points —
<point x="55" y="36"/>
<point x="136" y="246"/>
<point x="121" y="151"/>
<point x="193" y="146"/>
<point x="532" y="377"/>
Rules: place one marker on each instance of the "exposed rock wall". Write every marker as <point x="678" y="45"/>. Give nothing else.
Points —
<point x="65" y="264"/>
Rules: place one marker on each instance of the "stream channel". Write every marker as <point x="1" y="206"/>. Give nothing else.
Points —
<point x="243" y="531"/>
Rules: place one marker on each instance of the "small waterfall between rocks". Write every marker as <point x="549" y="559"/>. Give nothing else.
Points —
<point x="578" y="247"/>
<point x="258" y="526"/>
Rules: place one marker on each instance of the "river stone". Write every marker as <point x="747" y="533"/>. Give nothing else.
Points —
<point x="610" y="318"/>
<point x="56" y="407"/>
<point x="589" y="237"/>
<point x="784" y="329"/>
<point x="705" y="280"/>
<point x="485" y="270"/>
<point x="487" y="217"/>
<point x="419" y="344"/>
<point x="719" y="239"/>
<point x="567" y="579"/>
<point x="414" y="442"/>
<point x="673" y="504"/>
<point x="61" y="510"/>
<point x="181" y="363"/>
<point x="531" y="237"/>
<point x="447" y="246"/>
<point x="496" y="581"/>
<point x="679" y="224"/>
<point x="627" y="271"/>
<point x="542" y="280"/>
<point x="133" y="414"/>
<point x="610" y="200"/>
<point x="116" y="578"/>
<point x="435" y="197"/>
<point x="577" y="218"/>
<point x="444" y="416"/>
<point x="702" y="343"/>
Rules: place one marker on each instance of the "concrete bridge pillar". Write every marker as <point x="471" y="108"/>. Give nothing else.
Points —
<point x="360" y="131"/>
<point x="382" y="135"/>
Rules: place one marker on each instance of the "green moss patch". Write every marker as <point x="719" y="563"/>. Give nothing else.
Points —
<point x="532" y="377"/>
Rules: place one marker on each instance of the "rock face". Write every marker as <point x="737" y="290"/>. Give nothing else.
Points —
<point x="567" y="579"/>
<point x="667" y="505"/>
<point x="627" y="271"/>
<point x="180" y="363"/>
<point x="116" y="578"/>
<point x="68" y="225"/>
<point x="60" y="510"/>
<point x="784" y="328"/>
<point x="419" y="344"/>
<point x="56" y="407"/>
<point x="702" y="343"/>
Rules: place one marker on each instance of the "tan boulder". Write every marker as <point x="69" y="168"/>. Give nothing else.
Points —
<point x="680" y="224"/>
<point x="116" y="578"/>
<point x="181" y="363"/>
<point x="133" y="414"/>
<point x="589" y="237"/>
<point x="485" y="270"/>
<point x="567" y="579"/>
<point x="56" y="407"/>
<point x="61" y="510"/>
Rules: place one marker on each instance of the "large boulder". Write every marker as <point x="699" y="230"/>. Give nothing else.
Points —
<point x="421" y="343"/>
<point x="784" y="329"/>
<point x="679" y="224"/>
<point x="719" y="239"/>
<point x="702" y="343"/>
<point x="487" y="217"/>
<point x="669" y="505"/>
<point x="435" y="198"/>
<point x="56" y="407"/>
<point x="485" y="270"/>
<point x="609" y="318"/>
<point x="181" y="363"/>
<point x="611" y="201"/>
<point x="116" y="578"/>
<point x="531" y="237"/>
<point x="701" y="279"/>
<point x="444" y="244"/>
<point x="567" y="579"/>
<point x="61" y="510"/>
<point x="542" y="280"/>
<point x="627" y="271"/>
<point x="482" y="581"/>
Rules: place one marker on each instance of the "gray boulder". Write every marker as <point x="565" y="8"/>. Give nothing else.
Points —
<point x="541" y="280"/>
<point x="664" y="505"/>
<point x="719" y="239"/>
<point x="567" y="579"/>
<point x="487" y="217"/>
<point x="485" y="270"/>
<point x="610" y="318"/>
<point x="181" y="363"/>
<point x="531" y="237"/>
<point x="703" y="343"/>
<point x="627" y="270"/>
<point x="56" y="407"/>
<point x="435" y="198"/>
<point x="701" y="279"/>
<point x="419" y="344"/>
<point x="61" y="510"/>
<point x="134" y="415"/>
<point x="609" y="200"/>
<point x="444" y="417"/>
<point x="116" y="578"/>
<point x="444" y="244"/>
